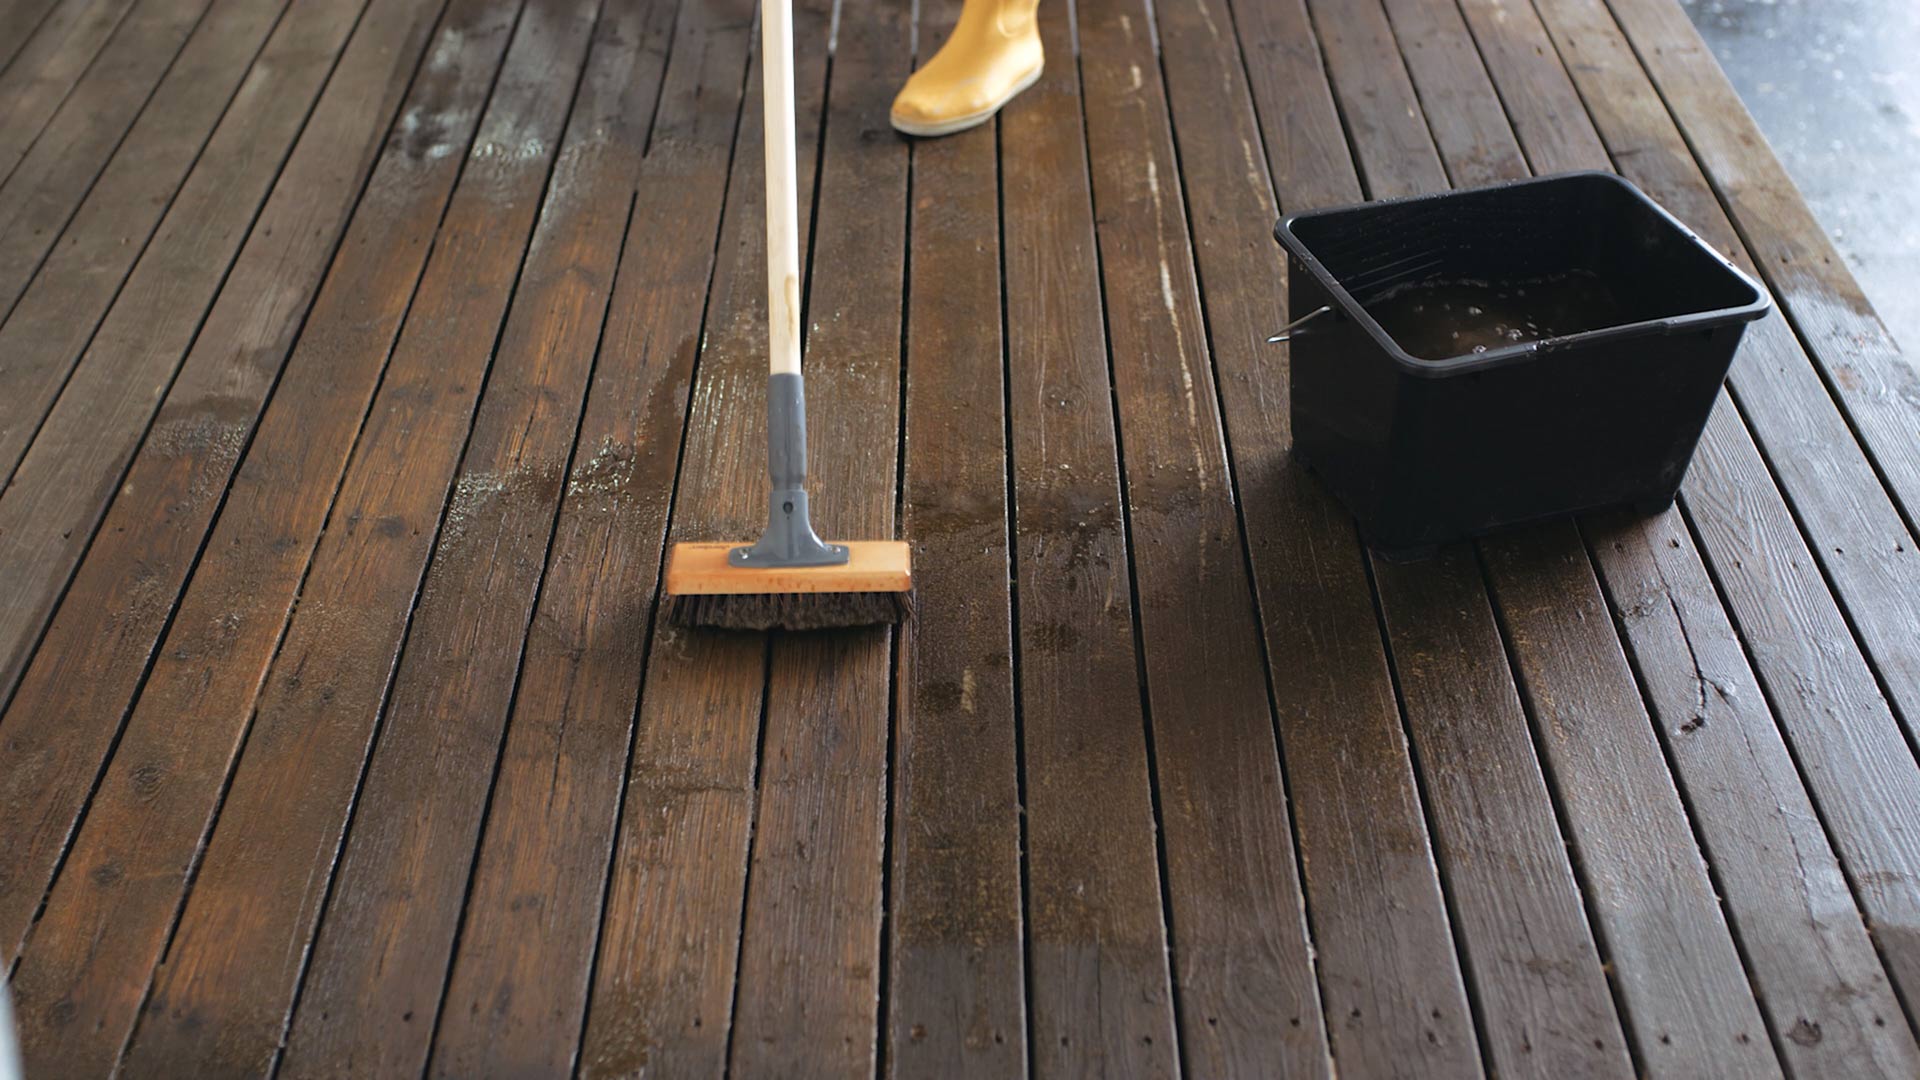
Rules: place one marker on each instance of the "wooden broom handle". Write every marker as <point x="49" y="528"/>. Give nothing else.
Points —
<point x="783" y="216"/>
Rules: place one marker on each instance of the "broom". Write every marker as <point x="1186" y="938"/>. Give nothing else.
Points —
<point x="790" y="579"/>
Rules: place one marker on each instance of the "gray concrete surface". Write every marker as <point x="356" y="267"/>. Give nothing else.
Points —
<point x="1835" y="85"/>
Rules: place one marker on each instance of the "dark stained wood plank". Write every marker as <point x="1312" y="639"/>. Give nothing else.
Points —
<point x="19" y="18"/>
<point x="1300" y="128"/>
<point x="1799" y="643"/>
<point x="1544" y="1002"/>
<point x="956" y="953"/>
<point x="1874" y="380"/>
<point x="72" y="470"/>
<point x="1098" y="965"/>
<point x="320" y="706"/>
<point x="46" y="69"/>
<point x="214" y="1006"/>
<point x="810" y="960"/>
<point x="664" y="969"/>
<point x="1810" y="953"/>
<point x="1853" y="528"/>
<point x="156" y="800"/>
<point x="1680" y="977"/>
<point x="75" y="694"/>
<point x="1243" y="970"/>
<point x="136" y="158"/>
<point x="517" y="996"/>
<point x="1719" y="731"/>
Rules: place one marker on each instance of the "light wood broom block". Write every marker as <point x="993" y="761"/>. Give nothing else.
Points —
<point x="874" y="566"/>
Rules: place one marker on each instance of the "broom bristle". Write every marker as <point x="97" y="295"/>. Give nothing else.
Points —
<point x="789" y="611"/>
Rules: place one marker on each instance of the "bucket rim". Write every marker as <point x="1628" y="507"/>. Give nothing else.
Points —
<point x="1349" y="306"/>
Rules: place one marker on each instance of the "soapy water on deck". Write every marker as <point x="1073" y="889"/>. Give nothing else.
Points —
<point x="1439" y="320"/>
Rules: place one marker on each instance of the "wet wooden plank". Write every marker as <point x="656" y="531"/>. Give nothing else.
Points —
<point x="956" y="947"/>
<point x="809" y="974"/>
<point x="1233" y="881"/>
<point x="1874" y="381"/>
<point x="156" y="798"/>
<point x="1543" y="1001"/>
<point x="317" y="710"/>
<point x="517" y="996"/>
<point x="1680" y="977"/>
<point x="1719" y="730"/>
<point x="1098" y="966"/>
<point x="1799" y="643"/>
<point x="90" y="664"/>
<point x="134" y="136"/>
<point x="50" y="62"/>
<point x="95" y="654"/>
<point x="663" y="983"/>
<point x="72" y="469"/>
<point x="214" y="1005"/>
<point x="1855" y="530"/>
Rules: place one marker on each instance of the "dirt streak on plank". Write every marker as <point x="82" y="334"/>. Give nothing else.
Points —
<point x="665" y="964"/>
<point x="1102" y="996"/>
<point x="1243" y="967"/>
<point x="46" y="69"/>
<point x="84" y="204"/>
<point x="1856" y="771"/>
<point x="1876" y="383"/>
<point x="511" y="475"/>
<point x="89" y="666"/>
<point x="956" y="958"/>
<point x="810" y="943"/>
<point x="74" y="466"/>
<point x="89" y="959"/>
<point x="517" y="996"/>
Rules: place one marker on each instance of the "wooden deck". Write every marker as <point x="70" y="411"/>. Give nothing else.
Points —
<point x="360" y="358"/>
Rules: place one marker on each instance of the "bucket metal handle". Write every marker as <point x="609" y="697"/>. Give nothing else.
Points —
<point x="1288" y="331"/>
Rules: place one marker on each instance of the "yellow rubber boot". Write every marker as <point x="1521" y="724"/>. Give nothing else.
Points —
<point x="994" y="53"/>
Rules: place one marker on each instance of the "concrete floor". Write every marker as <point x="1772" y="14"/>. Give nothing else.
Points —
<point x="1835" y="86"/>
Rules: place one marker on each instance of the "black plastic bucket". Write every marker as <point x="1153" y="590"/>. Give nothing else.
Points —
<point x="1427" y="450"/>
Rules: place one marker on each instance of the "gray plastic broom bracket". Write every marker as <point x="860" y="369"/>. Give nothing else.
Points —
<point x="789" y="539"/>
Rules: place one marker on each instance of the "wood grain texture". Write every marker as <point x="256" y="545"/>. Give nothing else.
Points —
<point x="65" y="252"/>
<point x="517" y="996"/>
<point x="1853" y="527"/>
<point x="1706" y="995"/>
<point x="76" y="693"/>
<point x="956" y="978"/>
<point x="1101" y="993"/>
<point x="55" y="498"/>
<point x="102" y="640"/>
<point x="1237" y="913"/>
<point x="1863" y="367"/>
<point x="541" y="370"/>
<point x="87" y="964"/>
<point x="20" y="18"/>
<point x="361" y="679"/>
<point x="1796" y="635"/>
<point x="1750" y="806"/>
<point x="663" y="982"/>
<point x="51" y="60"/>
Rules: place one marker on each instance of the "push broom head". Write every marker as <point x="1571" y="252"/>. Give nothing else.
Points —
<point x="874" y="586"/>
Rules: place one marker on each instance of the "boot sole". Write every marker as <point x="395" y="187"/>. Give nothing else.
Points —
<point x="971" y="120"/>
